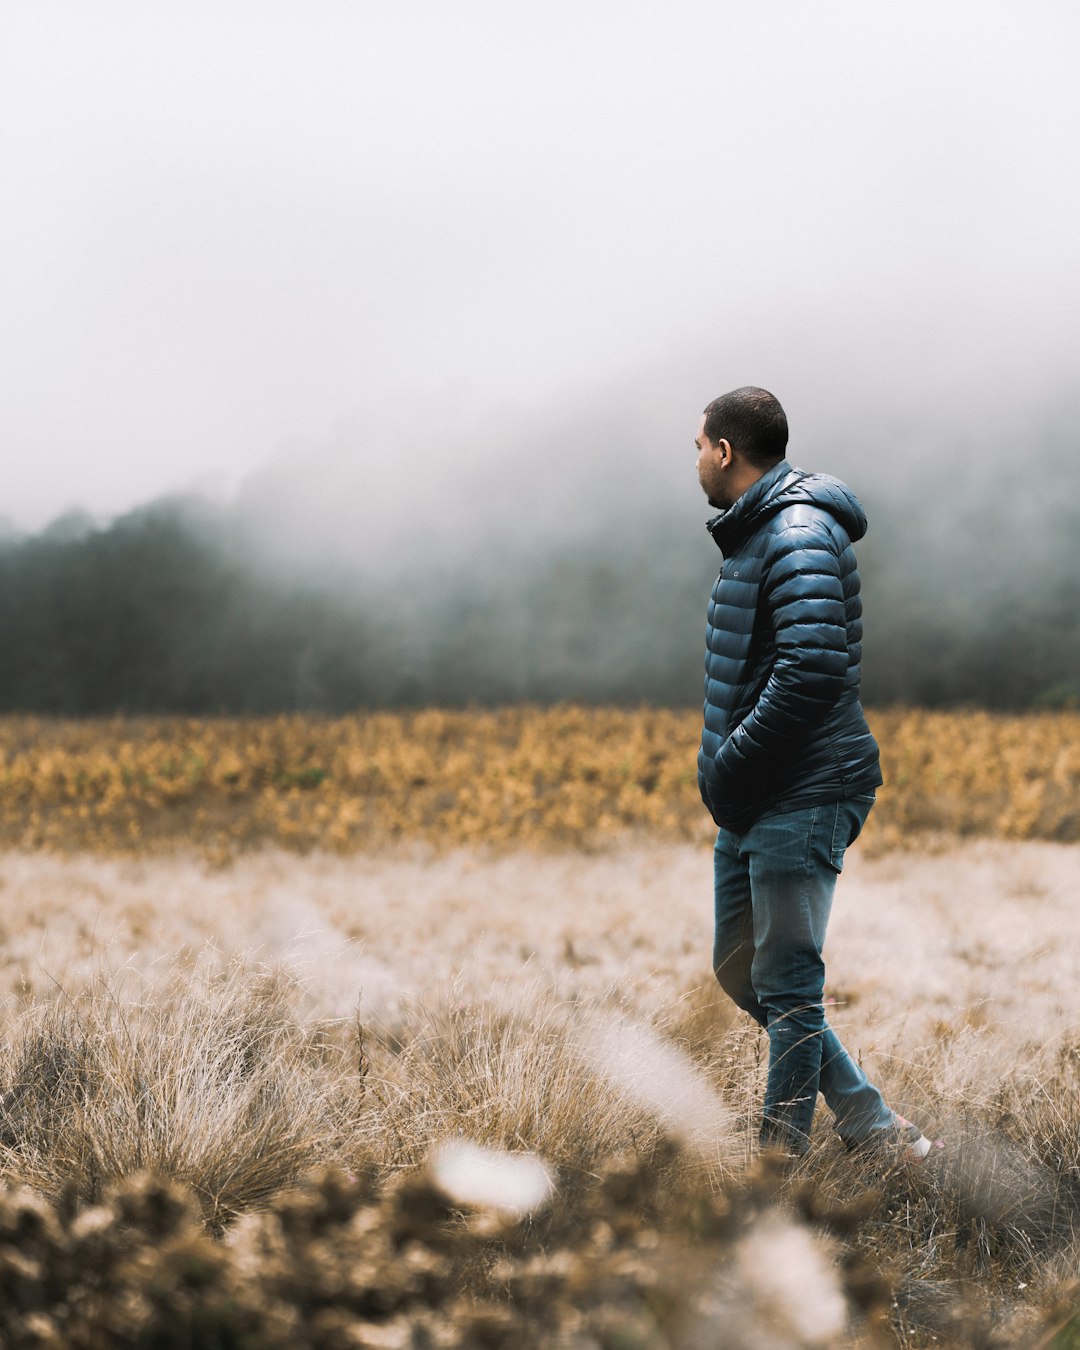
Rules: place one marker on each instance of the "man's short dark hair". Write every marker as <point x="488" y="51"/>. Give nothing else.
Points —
<point x="752" y="421"/>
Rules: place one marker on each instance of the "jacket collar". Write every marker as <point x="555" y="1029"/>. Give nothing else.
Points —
<point x="730" y="527"/>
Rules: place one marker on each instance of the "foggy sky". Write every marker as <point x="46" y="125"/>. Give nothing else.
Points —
<point x="436" y="264"/>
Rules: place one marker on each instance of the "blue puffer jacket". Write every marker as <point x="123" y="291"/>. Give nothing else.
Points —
<point x="784" y="727"/>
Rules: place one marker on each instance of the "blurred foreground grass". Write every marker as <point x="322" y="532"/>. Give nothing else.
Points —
<point x="208" y="1168"/>
<point x="563" y="777"/>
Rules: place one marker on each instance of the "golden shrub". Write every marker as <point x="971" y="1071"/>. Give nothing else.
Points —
<point x="535" y="777"/>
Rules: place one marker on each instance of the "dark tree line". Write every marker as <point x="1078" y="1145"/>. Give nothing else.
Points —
<point x="166" y="610"/>
<point x="156" y="614"/>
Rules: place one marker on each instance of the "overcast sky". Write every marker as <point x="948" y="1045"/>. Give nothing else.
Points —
<point x="231" y="232"/>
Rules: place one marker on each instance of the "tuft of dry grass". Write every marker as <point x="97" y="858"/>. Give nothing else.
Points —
<point x="509" y="1074"/>
<point x="215" y="1083"/>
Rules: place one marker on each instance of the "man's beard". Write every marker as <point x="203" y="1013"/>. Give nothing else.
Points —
<point x="714" y="499"/>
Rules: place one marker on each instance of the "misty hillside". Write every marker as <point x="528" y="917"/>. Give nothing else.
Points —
<point x="183" y="607"/>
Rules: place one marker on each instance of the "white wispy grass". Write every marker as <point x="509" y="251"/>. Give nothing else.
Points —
<point x="660" y="1077"/>
<point x="479" y="1177"/>
<point x="786" y="1277"/>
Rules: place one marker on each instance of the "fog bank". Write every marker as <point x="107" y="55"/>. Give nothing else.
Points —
<point x="548" y="554"/>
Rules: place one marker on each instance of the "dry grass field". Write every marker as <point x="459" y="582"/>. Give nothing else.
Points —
<point x="252" y="1055"/>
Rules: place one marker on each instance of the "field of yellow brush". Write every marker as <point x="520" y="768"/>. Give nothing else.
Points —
<point x="566" y="776"/>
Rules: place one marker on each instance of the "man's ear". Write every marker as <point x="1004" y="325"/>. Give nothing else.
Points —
<point x="725" y="451"/>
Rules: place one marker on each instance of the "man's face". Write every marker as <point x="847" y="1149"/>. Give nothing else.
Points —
<point x="713" y="463"/>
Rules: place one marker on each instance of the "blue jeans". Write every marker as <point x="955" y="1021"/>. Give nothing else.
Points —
<point x="773" y="889"/>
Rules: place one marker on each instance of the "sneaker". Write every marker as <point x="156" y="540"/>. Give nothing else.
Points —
<point x="914" y="1144"/>
<point x="904" y="1140"/>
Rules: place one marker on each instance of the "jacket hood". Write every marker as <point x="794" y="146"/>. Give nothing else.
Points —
<point x="784" y="486"/>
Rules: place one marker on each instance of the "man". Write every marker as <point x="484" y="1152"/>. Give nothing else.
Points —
<point x="788" y="766"/>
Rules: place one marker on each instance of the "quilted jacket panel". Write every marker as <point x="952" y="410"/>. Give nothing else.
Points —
<point x="784" y="727"/>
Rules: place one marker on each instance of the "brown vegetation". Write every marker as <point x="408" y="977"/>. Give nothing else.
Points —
<point x="226" y="1091"/>
<point x="523" y="777"/>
